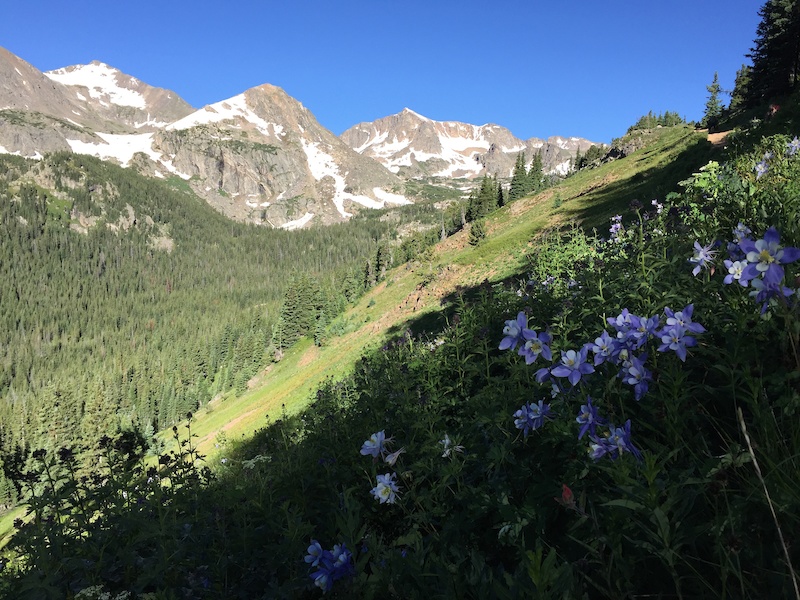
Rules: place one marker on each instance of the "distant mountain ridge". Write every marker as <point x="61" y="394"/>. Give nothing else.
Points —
<point x="414" y="146"/>
<point x="259" y="156"/>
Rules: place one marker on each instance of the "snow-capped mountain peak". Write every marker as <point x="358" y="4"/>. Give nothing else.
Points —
<point x="105" y="84"/>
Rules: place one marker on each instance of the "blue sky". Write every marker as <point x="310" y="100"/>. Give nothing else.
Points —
<point x="572" y="68"/>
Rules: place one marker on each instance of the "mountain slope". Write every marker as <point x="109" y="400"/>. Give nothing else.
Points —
<point x="415" y="146"/>
<point x="259" y="157"/>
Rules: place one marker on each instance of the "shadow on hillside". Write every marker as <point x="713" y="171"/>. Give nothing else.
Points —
<point x="644" y="186"/>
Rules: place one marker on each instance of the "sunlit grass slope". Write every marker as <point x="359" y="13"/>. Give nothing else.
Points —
<point x="421" y="291"/>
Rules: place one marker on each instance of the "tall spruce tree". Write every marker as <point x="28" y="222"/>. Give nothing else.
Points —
<point x="519" y="179"/>
<point x="713" y="104"/>
<point x="776" y="51"/>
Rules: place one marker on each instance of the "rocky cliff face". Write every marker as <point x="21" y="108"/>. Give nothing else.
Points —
<point x="414" y="146"/>
<point x="259" y="156"/>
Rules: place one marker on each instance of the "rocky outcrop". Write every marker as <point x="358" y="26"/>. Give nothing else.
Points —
<point x="414" y="146"/>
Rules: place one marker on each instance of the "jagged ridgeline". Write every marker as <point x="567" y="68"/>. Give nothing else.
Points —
<point x="128" y="301"/>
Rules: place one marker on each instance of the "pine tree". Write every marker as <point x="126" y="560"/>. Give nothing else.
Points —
<point x="519" y="179"/>
<point x="713" y="105"/>
<point x="741" y="90"/>
<point x="776" y="53"/>
<point x="535" y="175"/>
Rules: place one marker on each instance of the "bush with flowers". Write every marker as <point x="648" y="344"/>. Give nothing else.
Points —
<point x="622" y="423"/>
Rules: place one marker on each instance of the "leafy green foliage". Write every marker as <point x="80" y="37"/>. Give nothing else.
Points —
<point x="487" y="514"/>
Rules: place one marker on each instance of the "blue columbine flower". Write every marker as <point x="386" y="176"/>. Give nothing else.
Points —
<point x="386" y="491"/>
<point x="763" y="292"/>
<point x="331" y="565"/>
<point x="761" y="169"/>
<point x="684" y="319"/>
<point x="793" y="147"/>
<point x="614" y="443"/>
<point x="703" y="257"/>
<point x="376" y="444"/>
<point x="735" y="270"/>
<point x="513" y="332"/>
<point x="573" y="366"/>
<point x="531" y="416"/>
<point x="535" y="344"/>
<point x="603" y="348"/>
<point x="674" y="337"/>
<point x="315" y="553"/>
<point x="765" y="257"/>
<point x="588" y="418"/>
<point x="637" y="375"/>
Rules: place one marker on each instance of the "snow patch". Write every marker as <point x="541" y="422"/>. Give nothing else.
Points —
<point x="122" y="148"/>
<point x="34" y="156"/>
<point x="101" y="81"/>
<point x="385" y="196"/>
<point x="227" y="110"/>
<point x="297" y="224"/>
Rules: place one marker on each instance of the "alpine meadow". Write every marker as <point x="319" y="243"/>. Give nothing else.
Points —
<point x="244" y="358"/>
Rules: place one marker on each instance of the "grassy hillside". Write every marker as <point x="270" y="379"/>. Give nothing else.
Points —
<point x="421" y="294"/>
<point x="473" y="430"/>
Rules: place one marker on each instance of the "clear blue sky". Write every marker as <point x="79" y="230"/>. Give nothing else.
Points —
<point x="582" y="67"/>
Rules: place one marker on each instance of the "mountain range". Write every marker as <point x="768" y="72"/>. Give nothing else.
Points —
<point x="260" y="156"/>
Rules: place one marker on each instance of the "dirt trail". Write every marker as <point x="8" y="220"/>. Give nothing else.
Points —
<point x="718" y="138"/>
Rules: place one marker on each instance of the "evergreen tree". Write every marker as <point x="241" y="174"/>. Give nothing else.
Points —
<point x="776" y="53"/>
<point x="519" y="179"/>
<point x="535" y="177"/>
<point x="713" y="105"/>
<point x="741" y="90"/>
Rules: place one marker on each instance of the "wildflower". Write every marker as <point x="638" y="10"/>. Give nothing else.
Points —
<point x="675" y="338"/>
<point x="740" y="232"/>
<point x="603" y="348"/>
<point x="513" y="332"/>
<point x="449" y="446"/>
<point x="761" y="169"/>
<point x="331" y="565"/>
<point x="616" y="228"/>
<point x="658" y="206"/>
<point x="763" y="292"/>
<point x="637" y="375"/>
<point x="376" y="444"/>
<point x="735" y="269"/>
<point x="703" y="256"/>
<point x="573" y="366"/>
<point x="684" y="319"/>
<point x="386" y="491"/>
<point x="793" y="146"/>
<point x="614" y="443"/>
<point x="535" y="344"/>
<point x="531" y="416"/>
<point x="620" y="437"/>
<point x="765" y="257"/>
<point x="588" y="418"/>
<point x="567" y="497"/>
<point x="542" y="375"/>
<point x="392" y="458"/>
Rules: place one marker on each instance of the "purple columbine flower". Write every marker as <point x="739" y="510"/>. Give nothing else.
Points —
<point x="761" y="169"/>
<point x="376" y="444"/>
<point x="763" y="292"/>
<point x="588" y="419"/>
<point x="535" y="344"/>
<point x="620" y="437"/>
<point x="684" y="319"/>
<point x="735" y="270"/>
<point x="765" y="257"/>
<point x="637" y="375"/>
<point x="513" y="332"/>
<point x="386" y="491"/>
<point x="741" y="231"/>
<point x="331" y="565"/>
<point x="573" y="366"/>
<point x="531" y="416"/>
<point x="315" y="553"/>
<point x="673" y="337"/>
<point x="793" y="147"/>
<point x="603" y="348"/>
<point x="703" y="257"/>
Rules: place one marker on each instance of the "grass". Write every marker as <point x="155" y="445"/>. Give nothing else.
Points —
<point x="420" y="293"/>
